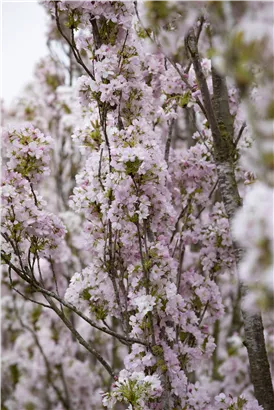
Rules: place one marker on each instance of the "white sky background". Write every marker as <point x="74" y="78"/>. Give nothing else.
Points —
<point x="23" y="44"/>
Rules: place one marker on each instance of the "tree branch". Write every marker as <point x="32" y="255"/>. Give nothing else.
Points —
<point x="168" y="142"/>
<point x="48" y="293"/>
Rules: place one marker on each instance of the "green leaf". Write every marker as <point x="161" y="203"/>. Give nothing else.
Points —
<point x="132" y="167"/>
<point x="184" y="100"/>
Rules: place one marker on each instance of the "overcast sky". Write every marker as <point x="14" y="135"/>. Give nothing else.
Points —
<point x="23" y="44"/>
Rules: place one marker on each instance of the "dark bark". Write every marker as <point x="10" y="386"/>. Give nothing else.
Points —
<point x="221" y="124"/>
<point x="169" y="138"/>
<point x="259" y="365"/>
<point x="190" y="126"/>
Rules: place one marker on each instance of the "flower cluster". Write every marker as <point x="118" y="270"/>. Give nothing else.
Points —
<point x="28" y="151"/>
<point x="25" y="223"/>
<point x="135" y="389"/>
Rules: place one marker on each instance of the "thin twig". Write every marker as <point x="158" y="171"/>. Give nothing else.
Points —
<point x="199" y="31"/>
<point x="55" y="280"/>
<point x="209" y="196"/>
<point x="168" y="142"/>
<point x="240" y="134"/>
<point x="182" y="213"/>
<point x="204" y="141"/>
<point x="100" y="170"/>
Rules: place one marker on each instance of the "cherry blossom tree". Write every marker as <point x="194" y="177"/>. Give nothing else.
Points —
<point x="137" y="189"/>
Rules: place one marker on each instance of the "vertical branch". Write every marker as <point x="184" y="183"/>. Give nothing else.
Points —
<point x="143" y="262"/>
<point x="70" y="67"/>
<point x="146" y="272"/>
<point x="168" y="142"/>
<point x="95" y="32"/>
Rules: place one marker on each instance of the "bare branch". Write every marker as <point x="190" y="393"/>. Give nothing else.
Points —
<point x="240" y="134"/>
<point x="168" y="142"/>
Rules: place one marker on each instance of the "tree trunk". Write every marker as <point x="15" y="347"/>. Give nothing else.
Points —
<point x="221" y="124"/>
